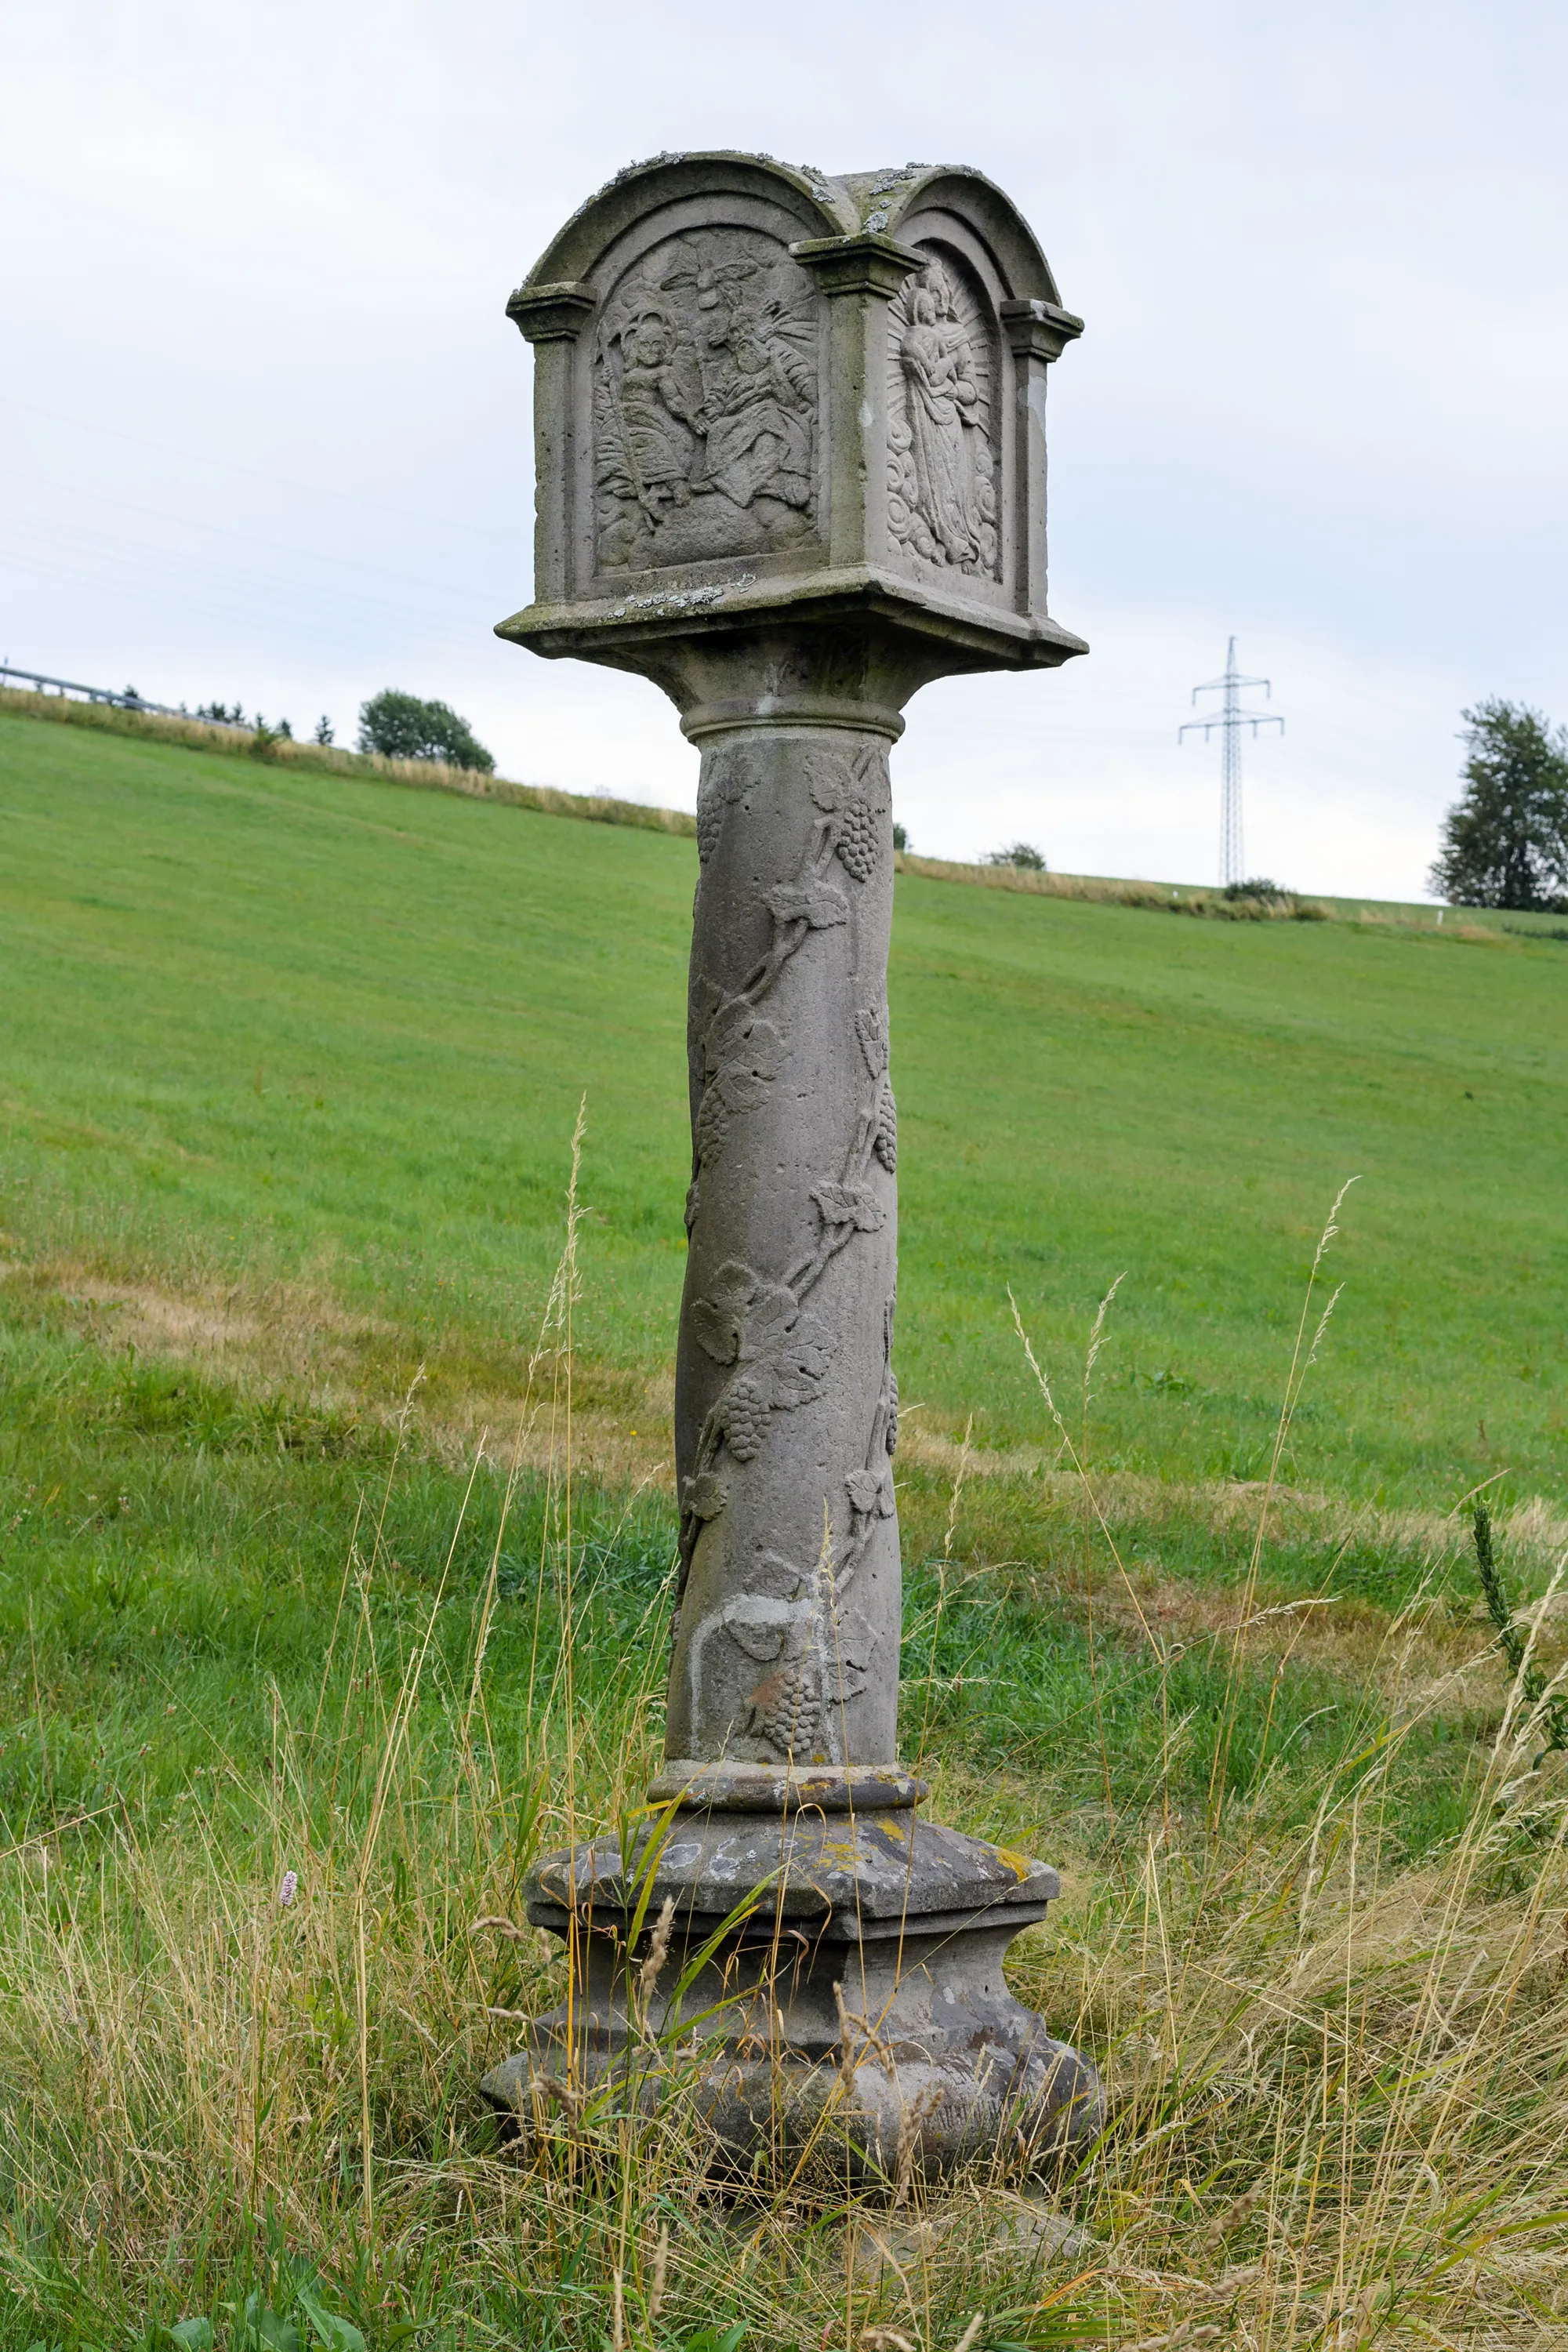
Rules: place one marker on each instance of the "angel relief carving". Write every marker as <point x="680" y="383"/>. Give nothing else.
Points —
<point x="705" y="398"/>
<point x="942" y="430"/>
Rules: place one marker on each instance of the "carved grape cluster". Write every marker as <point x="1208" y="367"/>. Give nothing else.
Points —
<point x="857" y="839"/>
<point x="712" y="1125"/>
<point x="744" y="1409"/>
<point x="886" y="1144"/>
<point x="792" y="1726"/>
<point x="723" y="781"/>
<point x="709" y="824"/>
<point x="853" y="795"/>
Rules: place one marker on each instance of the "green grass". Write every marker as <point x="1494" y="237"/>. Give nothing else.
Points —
<point x="211" y="1604"/>
<point x="298" y="1057"/>
<point x="271" y="1024"/>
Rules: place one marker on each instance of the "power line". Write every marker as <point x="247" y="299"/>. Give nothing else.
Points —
<point x="1230" y="719"/>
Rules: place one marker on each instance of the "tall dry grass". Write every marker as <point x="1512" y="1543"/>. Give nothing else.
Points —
<point x="238" y="2058"/>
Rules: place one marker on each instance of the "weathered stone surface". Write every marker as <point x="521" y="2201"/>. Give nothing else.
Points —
<point x="861" y="1874"/>
<point x="785" y="1404"/>
<point x="790" y="444"/>
<point x="756" y="385"/>
<point x="844" y="1983"/>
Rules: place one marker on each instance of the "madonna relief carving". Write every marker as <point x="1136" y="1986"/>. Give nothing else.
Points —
<point x="942" y="455"/>
<point x="705" y="401"/>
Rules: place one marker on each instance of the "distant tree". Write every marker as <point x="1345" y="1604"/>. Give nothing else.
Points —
<point x="1505" y="840"/>
<point x="1020" y="853"/>
<point x="900" y="838"/>
<point x="323" y="729"/>
<point x="221" y="713"/>
<point x="1259" y="887"/>
<point x="401" y="726"/>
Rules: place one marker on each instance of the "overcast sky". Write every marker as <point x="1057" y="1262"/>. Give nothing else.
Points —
<point x="267" y="429"/>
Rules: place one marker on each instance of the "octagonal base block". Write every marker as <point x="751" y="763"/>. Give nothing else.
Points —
<point x="832" y="2002"/>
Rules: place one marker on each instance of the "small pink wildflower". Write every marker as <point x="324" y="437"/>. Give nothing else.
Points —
<point x="290" y="1888"/>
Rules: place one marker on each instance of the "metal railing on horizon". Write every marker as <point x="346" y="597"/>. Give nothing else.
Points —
<point x="127" y="698"/>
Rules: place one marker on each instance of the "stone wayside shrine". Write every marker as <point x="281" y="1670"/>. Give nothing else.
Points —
<point x="791" y="456"/>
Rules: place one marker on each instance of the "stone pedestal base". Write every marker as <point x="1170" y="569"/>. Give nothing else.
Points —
<point x="832" y="1997"/>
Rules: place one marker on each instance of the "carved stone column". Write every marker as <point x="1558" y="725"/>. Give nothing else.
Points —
<point x="787" y="1411"/>
<point x="791" y="449"/>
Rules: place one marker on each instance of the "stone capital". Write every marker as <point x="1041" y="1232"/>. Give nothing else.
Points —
<point x="1038" y="330"/>
<point x="868" y="264"/>
<point x="548" y="314"/>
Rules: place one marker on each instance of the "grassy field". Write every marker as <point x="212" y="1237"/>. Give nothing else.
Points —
<point x="267" y="1027"/>
<point x="300" y="1570"/>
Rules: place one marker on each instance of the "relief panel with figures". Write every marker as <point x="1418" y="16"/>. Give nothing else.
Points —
<point x="705" y="404"/>
<point x="944" y="437"/>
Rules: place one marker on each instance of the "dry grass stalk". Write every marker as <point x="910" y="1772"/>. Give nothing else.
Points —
<point x="658" y="1954"/>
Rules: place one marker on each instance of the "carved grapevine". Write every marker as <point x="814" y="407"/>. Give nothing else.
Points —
<point x="775" y="1349"/>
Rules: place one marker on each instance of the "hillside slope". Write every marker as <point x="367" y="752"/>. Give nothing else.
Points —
<point x="266" y="1026"/>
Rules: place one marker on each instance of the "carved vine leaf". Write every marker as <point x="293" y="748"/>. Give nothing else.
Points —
<point x="811" y="901"/>
<point x="762" y="1643"/>
<point x="742" y="1314"/>
<point x="778" y="1378"/>
<point x="892" y="1412"/>
<point x="871" y="1028"/>
<point x="705" y="1495"/>
<point x="780" y="1356"/>
<point x="870" y="1494"/>
<point x="742" y="1056"/>
<point x="850" y="1204"/>
<point x="742" y="1052"/>
<point x="828" y="779"/>
<point x="800" y="1362"/>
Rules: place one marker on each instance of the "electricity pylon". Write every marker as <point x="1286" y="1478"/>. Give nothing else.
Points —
<point x="1230" y="719"/>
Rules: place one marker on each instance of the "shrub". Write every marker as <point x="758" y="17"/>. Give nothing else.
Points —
<point x="401" y="726"/>
<point x="1020" y="853"/>
<point x="1258" y="887"/>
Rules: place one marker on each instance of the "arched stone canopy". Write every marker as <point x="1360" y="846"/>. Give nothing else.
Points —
<point x="877" y="202"/>
<point x="757" y="382"/>
<point x="823" y="207"/>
